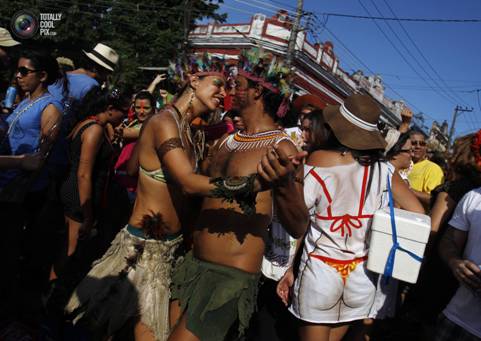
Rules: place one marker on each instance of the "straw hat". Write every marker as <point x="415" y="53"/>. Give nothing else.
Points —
<point x="354" y="123"/>
<point x="6" y="39"/>
<point x="65" y="61"/>
<point x="104" y="55"/>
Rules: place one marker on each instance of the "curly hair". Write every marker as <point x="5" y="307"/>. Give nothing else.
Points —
<point x="462" y="162"/>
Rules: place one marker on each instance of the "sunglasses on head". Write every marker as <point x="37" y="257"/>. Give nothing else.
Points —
<point x="23" y="71"/>
<point x="418" y="143"/>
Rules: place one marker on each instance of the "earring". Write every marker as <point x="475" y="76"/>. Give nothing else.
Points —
<point x="192" y="97"/>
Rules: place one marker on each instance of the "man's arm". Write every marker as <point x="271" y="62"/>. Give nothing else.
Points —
<point x="451" y="249"/>
<point x="406" y="117"/>
<point x="278" y="167"/>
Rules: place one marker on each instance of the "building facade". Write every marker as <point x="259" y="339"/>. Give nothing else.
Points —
<point x="316" y="67"/>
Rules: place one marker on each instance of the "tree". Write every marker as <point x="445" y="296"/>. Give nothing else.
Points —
<point x="145" y="33"/>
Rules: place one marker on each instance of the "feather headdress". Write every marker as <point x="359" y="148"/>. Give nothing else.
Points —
<point x="196" y="65"/>
<point x="269" y="71"/>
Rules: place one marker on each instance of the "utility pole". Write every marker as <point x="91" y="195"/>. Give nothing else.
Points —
<point x="293" y="37"/>
<point x="457" y="111"/>
<point x="187" y="18"/>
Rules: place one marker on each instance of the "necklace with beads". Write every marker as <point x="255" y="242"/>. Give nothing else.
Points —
<point x="242" y="142"/>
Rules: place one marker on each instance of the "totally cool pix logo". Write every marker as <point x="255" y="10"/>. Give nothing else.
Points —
<point x="25" y="24"/>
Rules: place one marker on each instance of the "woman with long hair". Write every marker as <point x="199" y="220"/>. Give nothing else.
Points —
<point x="345" y="183"/>
<point x="32" y="130"/>
<point x="91" y="157"/>
<point x="313" y="130"/>
<point x="135" y="273"/>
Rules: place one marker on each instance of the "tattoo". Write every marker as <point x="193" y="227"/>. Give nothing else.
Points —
<point x="153" y="225"/>
<point x="239" y="189"/>
<point x="168" y="145"/>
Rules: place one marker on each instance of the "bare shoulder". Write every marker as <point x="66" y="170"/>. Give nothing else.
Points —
<point x="92" y="131"/>
<point x="287" y="146"/>
<point x="323" y="158"/>
<point x="51" y="110"/>
<point x="162" y="125"/>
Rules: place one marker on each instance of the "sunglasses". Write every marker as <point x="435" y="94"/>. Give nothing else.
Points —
<point x="406" y="151"/>
<point x="24" y="71"/>
<point x="418" y="143"/>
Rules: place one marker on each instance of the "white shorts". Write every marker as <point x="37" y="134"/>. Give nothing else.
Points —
<point x="322" y="295"/>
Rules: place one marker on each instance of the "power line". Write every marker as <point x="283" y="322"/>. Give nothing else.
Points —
<point x="256" y="6"/>
<point x="283" y="4"/>
<point x="414" y="77"/>
<point x="449" y="89"/>
<point x="446" y="96"/>
<point x="266" y="4"/>
<point x="372" y="72"/>
<point x="400" y="53"/>
<point x="237" y="9"/>
<point x="401" y="19"/>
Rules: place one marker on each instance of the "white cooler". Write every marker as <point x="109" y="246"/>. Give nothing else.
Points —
<point x="412" y="234"/>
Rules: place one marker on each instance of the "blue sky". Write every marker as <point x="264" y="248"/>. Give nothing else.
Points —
<point x="451" y="66"/>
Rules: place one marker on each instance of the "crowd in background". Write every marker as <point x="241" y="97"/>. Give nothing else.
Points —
<point x="69" y="171"/>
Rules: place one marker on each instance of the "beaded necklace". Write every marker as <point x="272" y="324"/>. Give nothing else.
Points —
<point x="242" y="142"/>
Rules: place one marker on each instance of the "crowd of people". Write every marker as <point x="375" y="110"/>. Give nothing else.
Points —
<point x="154" y="216"/>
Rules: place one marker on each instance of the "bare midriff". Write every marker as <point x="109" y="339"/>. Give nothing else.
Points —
<point x="224" y="235"/>
<point x="155" y="199"/>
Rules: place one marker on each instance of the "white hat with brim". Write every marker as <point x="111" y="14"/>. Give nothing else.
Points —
<point x="104" y="56"/>
<point x="6" y="39"/>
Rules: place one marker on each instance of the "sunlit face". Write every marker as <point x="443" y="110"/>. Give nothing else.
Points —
<point x="419" y="147"/>
<point x="304" y="111"/>
<point x="143" y="109"/>
<point x="28" y="79"/>
<point x="404" y="157"/>
<point x="240" y="99"/>
<point x="306" y="131"/>
<point x="210" y="91"/>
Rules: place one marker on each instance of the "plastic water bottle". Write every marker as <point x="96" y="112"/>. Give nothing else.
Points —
<point x="10" y="97"/>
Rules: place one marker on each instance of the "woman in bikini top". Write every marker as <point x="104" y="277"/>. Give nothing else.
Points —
<point x="166" y="158"/>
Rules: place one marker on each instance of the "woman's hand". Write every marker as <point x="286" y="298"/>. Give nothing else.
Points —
<point x="118" y="133"/>
<point x="284" y="286"/>
<point x="159" y="78"/>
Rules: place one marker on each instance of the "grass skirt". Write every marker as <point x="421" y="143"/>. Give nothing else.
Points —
<point x="218" y="300"/>
<point x="131" y="281"/>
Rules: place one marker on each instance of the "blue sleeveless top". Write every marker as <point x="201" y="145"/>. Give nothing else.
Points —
<point x="23" y="137"/>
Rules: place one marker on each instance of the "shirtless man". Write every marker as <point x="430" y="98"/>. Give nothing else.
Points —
<point x="215" y="288"/>
<point x="130" y="284"/>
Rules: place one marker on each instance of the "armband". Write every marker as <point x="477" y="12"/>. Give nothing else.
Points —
<point x="168" y="145"/>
